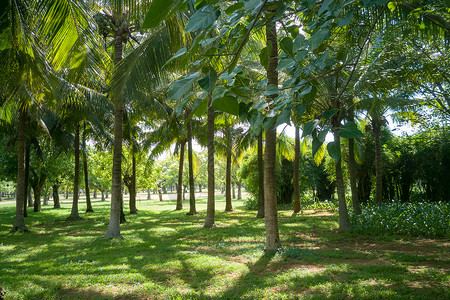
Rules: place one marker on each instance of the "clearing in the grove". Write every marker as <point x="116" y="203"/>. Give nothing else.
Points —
<point x="166" y="254"/>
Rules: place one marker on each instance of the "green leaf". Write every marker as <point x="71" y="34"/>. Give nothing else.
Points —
<point x="318" y="38"/>
<point x="334" y="150"/>
<point x="345" y="20"/>
<point x="179" y="53"/>
<point x="181" y="86"/>
<point x="324" y="6"/>
<point x="320" y="154"/>
<point x="207" y="83"/>
<point x="329" y="113"/>
<point x="316" y="145"/>
<point x="228" y="104"/>
<point x="199" y="107"/>
<point x="309" y="127"/>
<point x="285" y="64"/>
<point x="350" y="131"/>
<point x="271" y="89"/>
<point x="202" y="18"/>
<point x="157" y="12"/>
<point x="284" y="117"/>
<point x="300" y="109"/>
<point x="233" y="8"/>
<point x="286" y="45"/>
<point x="264" y="56"/>
<point x="299" y="42"/>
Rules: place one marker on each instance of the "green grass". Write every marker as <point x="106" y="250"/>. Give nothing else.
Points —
<point x="166" y="254"/>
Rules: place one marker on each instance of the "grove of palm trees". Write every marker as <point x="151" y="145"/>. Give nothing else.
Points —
<point x="189" y="149"/>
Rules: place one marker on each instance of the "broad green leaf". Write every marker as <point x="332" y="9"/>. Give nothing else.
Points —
<point x="345" y="20"/>
<point x="181" y="86"/>
<point x="207" y="83"/>
<point x="323" y="134"/>
<point x="309" y="127"/>
<point x="300" y="109"/>
<point x="199" y="107"/>
<point x="228" y="104"/>
<point x="350" y="131"/>
<point x="179" y="53"/>
<point x="318" y="38"/>
<point x="157" y="12"/>
<point x="233" y="8"/>
<point x="285" y="64"/>
<point x="271" y="89"/>
<point x="264" y="56"/>
<point x="299" y="42"/>
<point x="286" y="45"/>
<point x="324" y="6"/>
<point x="329" y="113"/>
<point x="284" y="117"/>
<point x="202" y="18"/>
<point x="334" y="150"/>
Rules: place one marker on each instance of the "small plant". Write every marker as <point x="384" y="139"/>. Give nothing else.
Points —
<point x="415" y="219"/>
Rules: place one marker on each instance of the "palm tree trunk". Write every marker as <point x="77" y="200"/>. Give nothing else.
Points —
<point x="297" y="204"/>
<point x="116" y="192"/>
<point x="233" y="190"/>
<point x="260" y="213"/>
<point x="19" y="222"/>
<point x="86" y="173"/>
<point x="270" y="201"/>
<point x="30" y="199"/>
<point x="180" y="177"/>
<point x="55" y="192"/>
<point x="210" y="207"/>
<point x="344" y="221"/>
<point x="27" y="178"/>
<point x="352" y="170"/>
<point x="192" y="209"/>
<point x="132" y="189"/>
<point x="228" y="205"/>
<point x="239" y="190"/>
<point x="74" y="213"/>
<point x="378" y="162"/>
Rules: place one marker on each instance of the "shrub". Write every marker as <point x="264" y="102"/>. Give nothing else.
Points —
<point x="415" y="219"/>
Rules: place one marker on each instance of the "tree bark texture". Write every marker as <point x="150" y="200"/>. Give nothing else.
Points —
<point x="86" y="173"/>
<point x="352" y="170"/>
<point x="132" y="189"/>
<point x="27" y="178"/>
<point x="228" y="204"/>
<point x="378" y="161"/>
<point x="270" y="202"/>
<point x="55" y="194"/>
<point x="19" y="222"/>
<point x="116" y="193"/>
<point x="192" y="209"/>
<point x="260" y="213"/>
<point x="74" y="213"/>
<point x="210" y="207"/>
<point x="344" y="221"/>
<point x="180" y="177"/>
<point x="297" y="204"/>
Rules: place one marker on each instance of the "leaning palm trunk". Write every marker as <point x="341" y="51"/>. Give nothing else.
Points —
<point x="192" y="209"/>
<point x="378" y="162"/>
<point x="116" y="192"/>
<point x="180" y="177"/>
<point x="297" y="204"/>
<point x="74" y="212"/>
<point x="352" y="170"/>
<point x="86" y="173"/>
<point x="270" y="201"/>
<point x="19" y="222"/>
<point x="210" y="208"/>
<point x="260" y="213"/>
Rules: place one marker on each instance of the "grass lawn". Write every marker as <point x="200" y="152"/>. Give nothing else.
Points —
<point x="167" y="254"/>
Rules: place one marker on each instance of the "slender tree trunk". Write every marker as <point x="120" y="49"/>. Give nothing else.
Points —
<point x="160" y="193"/>
<point x="74" y="213"/>
<point x="30" y="199"/>
<point x="228" y="205"/>
<point x="116" y="196"/>
<point x="55" y="190"/>
<point x="180" y="177"/>
<point x="19" y="222"/>
<point x="260" y="176"/>
<point x="297" y="204"/>
<point x="352" y="170"/>
<point x="86" y="173"/>
<point x="106" y="194"/>
<point x="95" y="194"/>
<point x="233" y="190"/>
<point x="133" y="209"/>
<point x="27" y="178"/>
<point x="192" y="209"/>
<point x="199" y="187"/>
<point x="270" y="202"/>
<point x="37" y="198"/>
<point x="239" y="190"/>
<point x="149" y="195"/>
<point x="103" y="196"/>
<point x="210" y="207"/>
<point x="378" y="161"/>
<point x="67" y="193"/>
<point x="344" y="221"/>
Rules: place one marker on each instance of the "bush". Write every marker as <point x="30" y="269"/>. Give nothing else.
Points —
<point x="414" y="219"/>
